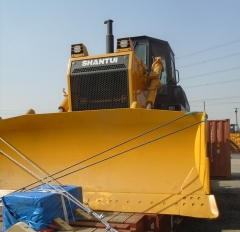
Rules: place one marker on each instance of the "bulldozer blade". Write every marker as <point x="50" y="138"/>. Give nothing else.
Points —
<point x="165" y="171"/>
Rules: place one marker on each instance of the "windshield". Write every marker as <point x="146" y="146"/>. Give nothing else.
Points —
<point x="141" y="51"/>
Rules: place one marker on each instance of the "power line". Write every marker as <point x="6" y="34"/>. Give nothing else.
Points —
<point x="214" y="99"/>
<point x="209" y="49"/>
<point x="213" y="83"/>
<point x="206" y="74"/>
<point x="217" y="103"/>
<point x="209" y="29"/>
<point x="203" y="62"/>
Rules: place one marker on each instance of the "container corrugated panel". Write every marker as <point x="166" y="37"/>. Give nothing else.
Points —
<point x="218" y="148"/>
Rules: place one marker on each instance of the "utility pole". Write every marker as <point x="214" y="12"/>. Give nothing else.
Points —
<point x="204" y="105"/>
<point x="236" y="110"/>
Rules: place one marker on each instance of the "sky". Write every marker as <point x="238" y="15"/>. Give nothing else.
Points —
<point x="36" y="37"/>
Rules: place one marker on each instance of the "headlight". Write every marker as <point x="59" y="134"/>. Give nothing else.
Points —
<point x="123" y="43"/>
<point x="77" y="49"/>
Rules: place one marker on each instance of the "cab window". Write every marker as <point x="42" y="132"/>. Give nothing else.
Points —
<point x="141" y="51"/>
<point x="159" y="51"/>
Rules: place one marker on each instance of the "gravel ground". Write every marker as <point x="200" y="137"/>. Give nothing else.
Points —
<point x="227" y="193"/>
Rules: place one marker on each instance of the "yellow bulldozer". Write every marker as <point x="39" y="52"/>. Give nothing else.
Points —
<point x="124" y="132"/>
<point x="234" y="138"/>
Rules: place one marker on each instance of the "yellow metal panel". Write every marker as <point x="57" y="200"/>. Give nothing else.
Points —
<point x="130" y="78"/>
<point x="139" y="179"/>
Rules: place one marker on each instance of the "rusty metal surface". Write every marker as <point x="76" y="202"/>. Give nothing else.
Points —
<point x="218" y="148"/>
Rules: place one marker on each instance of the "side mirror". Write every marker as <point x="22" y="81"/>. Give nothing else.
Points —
<point x="177" y="76"/>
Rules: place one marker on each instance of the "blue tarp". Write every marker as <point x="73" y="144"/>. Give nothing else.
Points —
<point x="39" y="207"/>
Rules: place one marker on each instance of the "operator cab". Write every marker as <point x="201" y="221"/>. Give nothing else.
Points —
<point x="234" y="128"/>
<point x="148" y="48"/>
<point x="170" y="96"/>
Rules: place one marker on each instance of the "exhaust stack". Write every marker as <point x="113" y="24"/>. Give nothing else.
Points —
<point x="109" y="37"/>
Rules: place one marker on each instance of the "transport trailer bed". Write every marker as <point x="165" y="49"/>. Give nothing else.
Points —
<point x="137" y="222"/>
<point x="123" y="222"/>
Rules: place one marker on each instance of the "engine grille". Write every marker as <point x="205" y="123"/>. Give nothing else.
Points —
<point x="96" y="89"/>
<point x="99" y="68"/>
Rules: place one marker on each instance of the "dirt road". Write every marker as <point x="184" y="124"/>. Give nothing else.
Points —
<point x="227" y="193"/>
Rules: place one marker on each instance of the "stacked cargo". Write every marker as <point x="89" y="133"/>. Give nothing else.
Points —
<point x="218" y="148"/>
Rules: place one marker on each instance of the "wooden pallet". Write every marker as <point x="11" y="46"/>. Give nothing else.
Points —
<point x="135" y="222"/>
